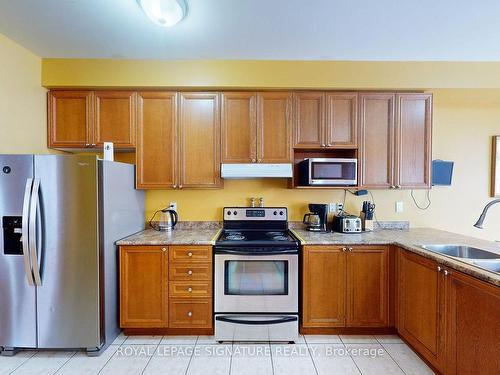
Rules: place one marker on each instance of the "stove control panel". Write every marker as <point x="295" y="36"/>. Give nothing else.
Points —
<point x="255" y="213"/>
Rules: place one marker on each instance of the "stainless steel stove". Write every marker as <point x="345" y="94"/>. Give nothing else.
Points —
<point x="256" y="276"/>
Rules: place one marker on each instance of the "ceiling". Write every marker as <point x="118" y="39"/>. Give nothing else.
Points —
<point x="454" y="30"/>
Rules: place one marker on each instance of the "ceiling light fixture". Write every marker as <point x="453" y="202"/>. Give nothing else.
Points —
<point x="166" y="13"/>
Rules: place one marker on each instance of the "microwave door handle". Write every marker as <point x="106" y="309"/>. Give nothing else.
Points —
<point x="34" y="208"/>
<point x="279" y="320"/>
<point x="25" y="231"/>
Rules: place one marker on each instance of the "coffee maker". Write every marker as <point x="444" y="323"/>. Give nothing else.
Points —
<point x="317" y="218"/>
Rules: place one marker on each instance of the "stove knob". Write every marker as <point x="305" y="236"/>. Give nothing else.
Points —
<point x="282" y="213"/>
<point x="235" y="212"/>
<point x="229" y="212"/>
<point x="275" y="213"/>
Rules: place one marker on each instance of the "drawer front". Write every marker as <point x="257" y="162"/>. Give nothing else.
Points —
<point x="190" y="253"/>
<point x="190" y="289"/>
<point x="190" y="271"/>
<point x="190" y="313"/>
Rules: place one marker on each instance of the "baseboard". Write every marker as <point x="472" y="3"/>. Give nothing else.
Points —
<point x="348" y="330"/>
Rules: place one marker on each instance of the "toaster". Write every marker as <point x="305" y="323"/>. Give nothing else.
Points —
<point x="347" y="224"/>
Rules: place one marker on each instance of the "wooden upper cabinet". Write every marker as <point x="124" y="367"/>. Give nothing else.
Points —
<point x="156" y="155"/>
<point x="115" y="118"/>
<point x="367" y="286"/>
<point x="69" y="118"/>
<point x="239" y="127"/>
<point x="274" y="127"/>
<point x="473" y="315"/>
<point x="341" y="127"/>
<point x="413" y="140"/>
<point x="323" y="286"/>
<point x="309" y="119"/>
<point x="421" y="295"/>
<point x="143" y="286"/>
<point x="199" y="128"/>
<point x="376" y="116"/>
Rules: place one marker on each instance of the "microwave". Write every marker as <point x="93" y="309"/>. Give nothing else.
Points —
<point x="328" y="171"/>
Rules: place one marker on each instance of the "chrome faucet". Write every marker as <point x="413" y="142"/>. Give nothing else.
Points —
<point x="479" y="223"/>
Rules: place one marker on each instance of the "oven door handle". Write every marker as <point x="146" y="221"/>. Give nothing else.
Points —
<point x="282" y="319"/>
<point x="240" y="251"/>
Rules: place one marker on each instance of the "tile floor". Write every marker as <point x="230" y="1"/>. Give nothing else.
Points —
<point x="192" y="355"/>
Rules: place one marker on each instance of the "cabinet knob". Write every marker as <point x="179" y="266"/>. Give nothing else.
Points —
<point x="190" y="313"/>
<point x="393" y="187"/>
<point x="259" y="160"/>
<point x="174" y="186"/>
<point x="344" y="249"/>
<point x="180" y="186"/>
<point x="190" y="272"/>
<point x="190" y="254"/>
<point x="350" y="249"/>
<point x="190" y="289"/>
<point x="439" y="269"/>
<point x="254" y="160"/>
<point x="329" y="144"/>
<point x="398" y="186"/>
<point x="323" y="145"/>
<point x="446" y="272"/>
<point x="163" y="249"/>
<point x="93" y="144"/>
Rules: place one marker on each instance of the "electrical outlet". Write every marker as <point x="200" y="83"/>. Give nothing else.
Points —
<point x="173" y="205"/>
<point x="340" y="208"/>
<point x="332" y="207"/>
<point x="399" y="207"/>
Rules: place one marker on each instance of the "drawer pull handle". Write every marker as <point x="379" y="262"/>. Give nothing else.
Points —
<point x="190" y="289"/>
<point x="190" y="272"/>
<point x="190" y="314"/>
<point x="190" y="254"/>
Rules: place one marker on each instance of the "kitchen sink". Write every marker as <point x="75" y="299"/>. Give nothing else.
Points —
<point x="490" y="265"/>
<point x="462" y="251"/>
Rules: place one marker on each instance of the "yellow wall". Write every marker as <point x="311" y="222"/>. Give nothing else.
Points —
<point x="466" y="115"/>
<point x="22" y="100"/>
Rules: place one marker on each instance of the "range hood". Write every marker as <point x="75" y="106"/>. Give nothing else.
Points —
<point x="256" y="170"/>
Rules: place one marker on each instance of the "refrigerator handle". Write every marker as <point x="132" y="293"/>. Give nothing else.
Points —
<point x="34" y="206"/>
<point x="24" y="229"/>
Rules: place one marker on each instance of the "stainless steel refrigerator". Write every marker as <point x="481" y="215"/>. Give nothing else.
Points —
<point x="61" y="216"/>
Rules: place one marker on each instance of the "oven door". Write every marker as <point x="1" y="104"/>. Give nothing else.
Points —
<point x="256" y="283"/>
<point x="327" y="171"/>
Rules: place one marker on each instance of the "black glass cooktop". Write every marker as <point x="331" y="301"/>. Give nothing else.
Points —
<point x="261" y="237"/>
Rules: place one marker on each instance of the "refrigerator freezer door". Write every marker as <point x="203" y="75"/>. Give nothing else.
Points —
<point x="17" y="297"/>
<point x="68" y="297"/>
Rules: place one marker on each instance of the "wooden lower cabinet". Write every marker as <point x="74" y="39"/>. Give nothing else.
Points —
<point x="473" y="326"/>
<point x="421" y="306"/>
<point x="323" y="287"/>
<point x="190" y="312"/>
<point x="143" y="286"/>
<point x="367" y="286"/>
<point x="160" y="287"/>
<point x="345" y="286"/>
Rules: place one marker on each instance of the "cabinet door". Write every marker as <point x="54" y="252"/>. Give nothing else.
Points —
<point x="143" y="286"/>
<point x="309" y="119"/>
<point x="115" y="118"/>
<point x="199" y="140"/>
<point x="273" y="127"/>
<point x="323" y="287"/>
<point x="156" y="140"/>
<point x="239" y="127"/>
<point x="367" y="287"/>
<point x="473" y="317"/>
<point x="70" y="118"/>
<point x="341" y="119"/>
<point x="376" y="117"/>
<point x="421" y="306"/>
<point x="413" y="140"/>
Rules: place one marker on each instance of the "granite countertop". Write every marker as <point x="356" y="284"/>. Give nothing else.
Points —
<point x="409" y="240"/>
<point x="185" y="236"/>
